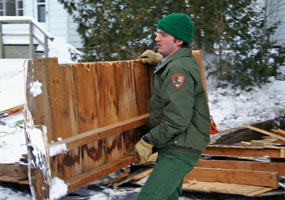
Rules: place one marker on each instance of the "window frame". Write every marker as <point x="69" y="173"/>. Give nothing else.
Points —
<point x="16" y="12"/>
<point x="41" y="16"/>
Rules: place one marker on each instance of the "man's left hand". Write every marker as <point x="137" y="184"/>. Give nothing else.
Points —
<point x="144" y="150"/>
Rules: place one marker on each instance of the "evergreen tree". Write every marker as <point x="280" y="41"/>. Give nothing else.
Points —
<point x="118" y="29"/>
<point x="123" y="29"/>
<point x="250" y="58"/>
<point x="206" y="20"/>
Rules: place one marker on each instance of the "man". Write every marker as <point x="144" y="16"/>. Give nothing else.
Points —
<point x="179" y="117"/>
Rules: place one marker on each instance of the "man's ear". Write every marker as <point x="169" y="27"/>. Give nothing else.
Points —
<point x="179" y="42"/>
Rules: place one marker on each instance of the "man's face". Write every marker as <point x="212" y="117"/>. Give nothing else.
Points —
<point x="166" y="44"/>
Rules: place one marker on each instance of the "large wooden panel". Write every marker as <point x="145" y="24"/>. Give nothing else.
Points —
<point x="84" y="99"/>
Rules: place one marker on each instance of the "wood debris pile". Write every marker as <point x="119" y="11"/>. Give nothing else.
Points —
<point x="248" y="168"/>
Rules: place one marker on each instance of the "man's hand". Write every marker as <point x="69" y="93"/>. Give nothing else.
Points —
<point x="144" y="150"/>
<point x="150" y="57"/>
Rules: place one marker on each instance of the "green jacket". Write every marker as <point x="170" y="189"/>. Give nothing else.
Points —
<point x="179" y="116"/>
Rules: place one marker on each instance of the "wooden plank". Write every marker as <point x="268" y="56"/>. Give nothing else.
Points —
<point x="244" y="177"/>
<point x="63" y="113"/>
<point x="199" y="57"/>
<point x="99" y="133"/>
<point x="118" y="178"/>
<point x="125" y="89"/>
<point x="143" y="84"/>
<point x="86" y="87"/>
<point x="279" y="131"/>
<point x="244" y="165"/>
<point x="39" y="105"/>
<point x="99" y="172"/>
<point x="237" y="189"/>
<point x="109" y="111"/>
<point x="37" y="112"/>
<point x="142" y="175"/>
<point x="14" y="179"/>
<point x="260" y="191"/>
<point x="264" y="132"/>
<point x="14" y="170"/>
<point x="39" y="166"/>
<point x="230" y="150"/>
<point x="13" y="109"/>
<point x="128" y="105"/>
<point x="143" y="79"/>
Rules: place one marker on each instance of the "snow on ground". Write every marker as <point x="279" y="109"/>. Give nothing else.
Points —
<point x="230" y="109"/>
<point x="233" y="109"/>
<point x="11" y="79"/>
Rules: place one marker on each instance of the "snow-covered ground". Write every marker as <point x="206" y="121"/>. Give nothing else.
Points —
<point x="230" y="109"/>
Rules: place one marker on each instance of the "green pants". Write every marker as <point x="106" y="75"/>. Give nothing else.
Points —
<point x="165" y="181"/>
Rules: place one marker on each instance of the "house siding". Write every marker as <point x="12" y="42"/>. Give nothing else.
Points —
<point x="275" y="12"/>
<point x="58" y="22"/>
<point x="279" y="15"/>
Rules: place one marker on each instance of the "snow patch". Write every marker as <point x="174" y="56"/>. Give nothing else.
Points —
<point x="35" y="89"/>
<point x="58" y="188"/>
<point x="57" y="149"/>
<point x="36" y="140"/>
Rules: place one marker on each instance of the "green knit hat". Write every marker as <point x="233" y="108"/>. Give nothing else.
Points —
<point x="178" y="25"/>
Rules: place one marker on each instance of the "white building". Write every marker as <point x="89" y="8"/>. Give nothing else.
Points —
<point x="50" y="13"/>
<point x="275" y="10"/>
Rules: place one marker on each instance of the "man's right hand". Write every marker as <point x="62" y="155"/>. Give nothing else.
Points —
<point x="150" y="57"/>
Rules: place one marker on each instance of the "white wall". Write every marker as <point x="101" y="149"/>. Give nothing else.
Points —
<point x="277" y="9"/>
<point x="58" y="22"/>
<point x="276" y="12"/>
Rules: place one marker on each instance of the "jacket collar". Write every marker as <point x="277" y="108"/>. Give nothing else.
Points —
<point x="182" y="52"/>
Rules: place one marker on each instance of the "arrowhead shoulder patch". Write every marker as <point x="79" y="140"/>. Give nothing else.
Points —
<point x="177" y="80"/>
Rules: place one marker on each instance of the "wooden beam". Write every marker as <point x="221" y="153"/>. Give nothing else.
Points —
<point x="14" y="179"/>
<point x="99" y="172"/>
<point x="230" y="150"/>
<point x="13" y="109"/>
<point x="97" y="134"/>
<point x="199" y="57"/>
<point x="244" y="177"/>
<point x="118" y="178"/>
<point x="237" y="189"/>
<point x="244" y="165"/>
<point x="14" y="170"/>
<point x="142" y="175"/>
<point x="279" y="131"/>
<point x="265" y="132"/>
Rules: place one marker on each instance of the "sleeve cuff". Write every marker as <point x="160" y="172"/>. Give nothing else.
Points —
<point x="146" y="138"/>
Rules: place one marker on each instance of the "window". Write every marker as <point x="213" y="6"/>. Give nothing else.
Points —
<point x="11" y="8"/>
<point x="41" y="10"/>
<point x="19" y="8"/>
<point x="2" y="13"/>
